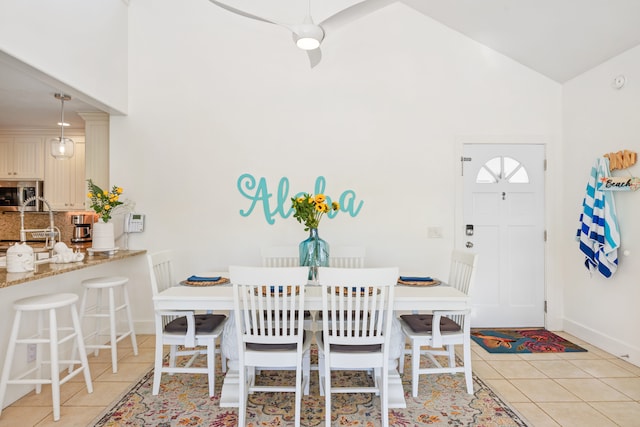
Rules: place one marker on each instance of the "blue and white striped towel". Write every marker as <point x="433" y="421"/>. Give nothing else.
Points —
<point x="598" y="231"/>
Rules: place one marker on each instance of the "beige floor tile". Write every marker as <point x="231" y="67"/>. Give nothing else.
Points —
<point x="25" y="416"/>
<point x="559" y="369"/>
<point x="519" y="379"/>
<point x="142" y="357"/>
<point x="544" y="390"/>
<point x="44" y="397"/>
<point x="500" y="356"/>
<point x="591" y="390"/>
<point x="539" y="356"/>
<point x="507" y="390"/>
<point x="625" y="414"/>
<point x="146" y="341"/>
<point x="484" y="370"/>
<point x="567" y="336"/>
<point x="516" y="369"/>
<point x="576" y="414"/>
<point x="129" y="372"/>
<point x="585" y="355"/>
<point x="103" y="394"/>
<point x="628" y="386"/>
<point x="534" y="415"/>
<point x="635" y="370"/>
<point x="601" y="368"/>
<point x="72" y="416"/>
<point x="96" y="370"/>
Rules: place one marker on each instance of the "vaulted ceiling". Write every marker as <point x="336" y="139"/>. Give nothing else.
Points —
<point x="558" y="38"/>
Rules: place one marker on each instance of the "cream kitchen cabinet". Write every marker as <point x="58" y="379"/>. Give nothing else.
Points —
<point x="64" y="180"/>
<point x="21" y="157"/>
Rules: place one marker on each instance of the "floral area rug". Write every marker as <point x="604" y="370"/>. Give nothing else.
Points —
<point x="522" y="341"/>
<point x="183" y="401"/>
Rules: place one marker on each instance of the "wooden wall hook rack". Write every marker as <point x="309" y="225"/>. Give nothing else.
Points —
<point x="621" y="159"/>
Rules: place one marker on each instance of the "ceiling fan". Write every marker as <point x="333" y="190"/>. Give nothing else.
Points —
<point x="308" y="35"/>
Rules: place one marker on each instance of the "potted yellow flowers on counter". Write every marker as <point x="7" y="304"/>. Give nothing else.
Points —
<point x="103" y="202"/>
<point x="309" y="210"/>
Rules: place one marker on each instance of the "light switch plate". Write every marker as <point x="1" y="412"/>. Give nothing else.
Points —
<point x="434" y="233"/>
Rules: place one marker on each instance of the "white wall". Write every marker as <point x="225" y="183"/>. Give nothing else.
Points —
<point x="78" y="43"/>
<point x="599" y="119"/>
<point x="383" y="114"/>
<point x="212" y="97"/>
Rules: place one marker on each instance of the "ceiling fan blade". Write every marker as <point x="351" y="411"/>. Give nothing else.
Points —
<point x="241" y="12"/>
<point x="315" y="56"/>
<point x="352" y="13"/>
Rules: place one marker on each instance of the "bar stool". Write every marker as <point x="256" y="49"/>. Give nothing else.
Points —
<point x="98" y="311"/>
<point x="57" y="336"/>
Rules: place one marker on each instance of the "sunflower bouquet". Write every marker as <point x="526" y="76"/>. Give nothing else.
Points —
<point x="309" y="209"/>
<point x="102" y="201"/>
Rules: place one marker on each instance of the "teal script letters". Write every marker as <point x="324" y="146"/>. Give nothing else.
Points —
<point x="258" y="193"/>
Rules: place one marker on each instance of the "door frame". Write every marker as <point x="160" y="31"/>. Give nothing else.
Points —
<point x="552" y="319"/>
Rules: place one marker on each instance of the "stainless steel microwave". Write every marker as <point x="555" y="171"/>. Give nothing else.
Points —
<point x="14" y="193"/>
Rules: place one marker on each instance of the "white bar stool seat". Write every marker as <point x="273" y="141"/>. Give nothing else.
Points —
<point x="57" y="335"/>
<point x="100" y="311"/>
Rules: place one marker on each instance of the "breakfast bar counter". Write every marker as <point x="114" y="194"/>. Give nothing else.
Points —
<point x="48" y="269"/>
<point x="67" y="278"/>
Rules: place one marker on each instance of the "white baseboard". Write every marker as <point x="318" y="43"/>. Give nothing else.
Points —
<point x="146" y="327"/>
<point x="609" y="344"/>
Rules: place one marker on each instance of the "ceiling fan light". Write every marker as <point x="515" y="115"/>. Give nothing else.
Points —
<point x="309" y="37"/>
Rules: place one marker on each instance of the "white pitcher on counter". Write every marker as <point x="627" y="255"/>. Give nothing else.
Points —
<point x="20" y="258"/>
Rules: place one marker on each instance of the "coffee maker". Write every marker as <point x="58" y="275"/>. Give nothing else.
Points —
<point x="82" y="228"/>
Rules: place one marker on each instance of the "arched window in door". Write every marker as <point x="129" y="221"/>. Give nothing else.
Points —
<point x="502" y="168"/>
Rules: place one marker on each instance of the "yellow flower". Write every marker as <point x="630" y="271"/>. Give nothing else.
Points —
<point x="309" y="209"/>
<point x="103" y="202"/>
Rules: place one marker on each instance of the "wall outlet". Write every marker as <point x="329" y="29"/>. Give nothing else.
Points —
<point x="32" y="352"/>
<point x="434" y="233"/>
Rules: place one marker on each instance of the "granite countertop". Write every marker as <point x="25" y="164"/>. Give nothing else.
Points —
<point x="51" y="269"/>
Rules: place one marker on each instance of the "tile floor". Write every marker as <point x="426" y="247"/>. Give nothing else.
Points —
<point x="567" y="389"/>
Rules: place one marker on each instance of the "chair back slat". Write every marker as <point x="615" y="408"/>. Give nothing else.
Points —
<point x="461" y="276"/>
<point x="356" y="304"/>
<point x="269" y="303"/>
<point x="280" y="256"/>
<point x="347" y="256"/>
<point x="161" y="271"/>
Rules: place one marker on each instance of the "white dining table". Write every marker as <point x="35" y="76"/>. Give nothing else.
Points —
<point x="220" y="297"/>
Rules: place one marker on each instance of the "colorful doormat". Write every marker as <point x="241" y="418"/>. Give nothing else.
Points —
<point x="183" y="401"/>
<point x="522" y="341"/>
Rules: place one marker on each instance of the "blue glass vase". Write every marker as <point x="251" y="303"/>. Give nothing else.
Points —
<point x="314" y="253"/>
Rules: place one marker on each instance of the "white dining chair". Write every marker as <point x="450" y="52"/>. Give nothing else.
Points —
<point x="269" y="316"/>
<point x="442" y="330"/>
<point x="182" y="328"/>
<point x="280" y="256"/>
<point x="347" y="256"/>
<point x="357" y="312"/>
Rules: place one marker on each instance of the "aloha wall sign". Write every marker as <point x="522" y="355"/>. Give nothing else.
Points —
<point x="256" y="191"/>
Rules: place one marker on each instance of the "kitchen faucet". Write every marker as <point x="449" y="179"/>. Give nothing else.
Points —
<point x="48" y="233"/>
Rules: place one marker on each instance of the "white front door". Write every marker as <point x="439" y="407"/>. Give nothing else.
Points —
<point x="503" y="216"/>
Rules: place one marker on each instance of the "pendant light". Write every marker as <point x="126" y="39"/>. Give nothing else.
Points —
<point x="61" y="147"/>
